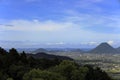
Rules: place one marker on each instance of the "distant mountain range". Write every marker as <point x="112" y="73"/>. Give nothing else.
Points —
<point x="103" y="48"/>
<point x="57" y="50"/>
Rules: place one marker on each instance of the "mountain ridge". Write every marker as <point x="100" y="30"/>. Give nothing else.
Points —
<point x="104" y="48"/>
<point x="48" y="56"/>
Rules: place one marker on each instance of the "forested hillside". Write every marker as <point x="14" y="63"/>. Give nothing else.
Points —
<point x="18" y="66"/>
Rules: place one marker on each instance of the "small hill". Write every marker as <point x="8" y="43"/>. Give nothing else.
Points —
<point x="49" y="56"/>
<point x="39" y="50"/>
<point x="104" y="48"/>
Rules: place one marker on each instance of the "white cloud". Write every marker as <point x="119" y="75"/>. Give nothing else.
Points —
<point x="35" y="25"/>
<point x="76" y="20"/>
<point x="110" y="42"/>
<point x="77" y="28"/>
<point x="71" y="28"/>
<point x="93" y="43"/>
<point x="109" y="22"/>
<point x="58" y="43"/>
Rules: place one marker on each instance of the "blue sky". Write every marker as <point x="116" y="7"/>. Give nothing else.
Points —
<point x="59" y="23"/>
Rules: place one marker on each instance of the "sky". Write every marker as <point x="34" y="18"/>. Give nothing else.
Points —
<point x="59" y="23"/>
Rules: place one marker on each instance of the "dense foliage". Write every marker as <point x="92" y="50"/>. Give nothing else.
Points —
<point x="15" y="66"/>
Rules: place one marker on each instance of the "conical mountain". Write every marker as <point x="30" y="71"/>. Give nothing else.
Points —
<point x="104" y="48"/>
<point x="118" y="49"/>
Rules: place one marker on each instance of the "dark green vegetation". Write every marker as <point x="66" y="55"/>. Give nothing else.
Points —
<point x="15" y="66"/>
<point x="48" y="56"/>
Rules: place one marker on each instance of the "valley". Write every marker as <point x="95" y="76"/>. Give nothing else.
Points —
<point x="104" y="56"/>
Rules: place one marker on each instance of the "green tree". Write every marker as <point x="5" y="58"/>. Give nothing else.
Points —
<point x="96" y="74"/>
<point x="79" y="74"/>
<point x="17" y="71"/>
<point x="2" y="51"/>
<point x="32" y="62"/>
<point x="9" y="78"/>
<point x="3" y="76"/>
<point x="13" y="56"/>
<point x="37" y="74"/>
<point x="23" y="58"/>
<point x="70" y="70"/>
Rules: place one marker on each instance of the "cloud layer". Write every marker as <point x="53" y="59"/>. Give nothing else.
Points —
<point x="34" y="25"/>
<point x="72" y="29"/>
